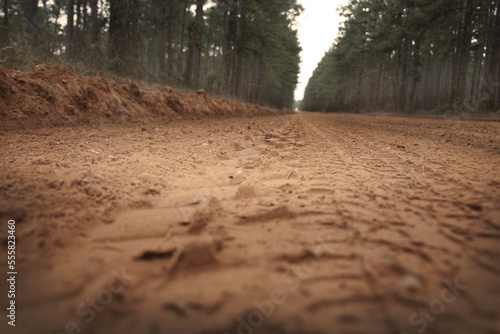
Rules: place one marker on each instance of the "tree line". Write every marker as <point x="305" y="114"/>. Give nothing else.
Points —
<point x="411" y="55"/>
<point x="243" y="48"/>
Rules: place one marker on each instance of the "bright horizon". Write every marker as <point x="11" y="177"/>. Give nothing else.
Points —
<point x="317" y="30"/>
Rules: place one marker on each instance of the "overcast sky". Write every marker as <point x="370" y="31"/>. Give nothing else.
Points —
<point x="318" y="29"/>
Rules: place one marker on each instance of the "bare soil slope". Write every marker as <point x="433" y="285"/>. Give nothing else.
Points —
<point x="298" y="223"/>
<point x="52" y="95"/>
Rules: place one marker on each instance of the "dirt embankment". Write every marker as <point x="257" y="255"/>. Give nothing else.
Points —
<point x="53" y="95"/>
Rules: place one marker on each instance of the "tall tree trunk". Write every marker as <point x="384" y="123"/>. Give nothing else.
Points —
<point x="199" y="46"/>
<point x="410" y="106"/>
<point x="456" y="63"/>
<point x="359" y="99"/>
<point x="94" y="32"/>
<point x="232" y="27"/>
<point x="134" y="11"/>
<point x="123" y="35"/>
<point x="461" y="56"/>
<point x="57" y="13"/>
<point x="119" y="34"/>
<point x="403" y="89"/>
<point x="170" y="38"/>
<point x="395" y="82"/>
<point x="6" y="14"/>
<point x="378" y="86"/>
<point x="94" y="22"/>
<point x="478" y="60"/>
<point x="30" y="8"/>
<point x="465" y="53"/>
<point x="193" y="45"/>
<point x="371" y="93"/>
<point x="162" y="64"/>
<point x="47" y="37"/>
<point x="438" y="84"/>
<point x="180" y="51"/>
<point x="30" y="26"/>
<point x="70" y="11"/>
<point x="496" y="105"/>
<point x="425" y="101"/>
<point x="241" y="47"/>
<point x="77" y="31"/>
<point x="86" y="27"/>
<point x="5" y="21"/>
<point x="493" y="82"/>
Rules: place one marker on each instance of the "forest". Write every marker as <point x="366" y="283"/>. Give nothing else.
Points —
<point x="411" y="56"/>
<point x="235" y="48"/>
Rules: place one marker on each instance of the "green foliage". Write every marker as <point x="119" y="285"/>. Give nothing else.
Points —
<point x="409" y="55"/>
<point x="244" y="48"/>
<point x="258" y="54"/>
<point x="15" y="58"/>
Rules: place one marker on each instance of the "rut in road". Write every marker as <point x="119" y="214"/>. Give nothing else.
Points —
<point x="303" y="223"/>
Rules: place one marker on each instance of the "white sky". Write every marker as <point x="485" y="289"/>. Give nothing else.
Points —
<point x="317" y="28"/>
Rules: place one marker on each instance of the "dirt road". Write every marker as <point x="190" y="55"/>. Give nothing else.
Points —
<point x="302" y="223"/>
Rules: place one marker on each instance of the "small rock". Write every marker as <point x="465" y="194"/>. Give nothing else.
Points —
<point x="410" y="283"/>
<point x="173" y="307"/>
<point x="201" y="92"/>
<point x="197" y="254"/>
<point x="236" y="179"/>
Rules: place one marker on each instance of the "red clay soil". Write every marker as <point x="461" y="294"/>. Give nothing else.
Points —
<point x="53" y="95"/>
<point x="300" y="223"/>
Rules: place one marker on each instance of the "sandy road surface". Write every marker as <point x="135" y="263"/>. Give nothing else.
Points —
<point x="303" y="223"/>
